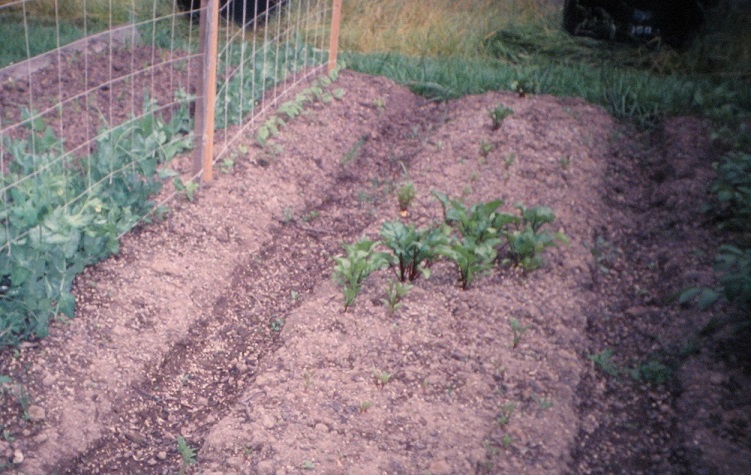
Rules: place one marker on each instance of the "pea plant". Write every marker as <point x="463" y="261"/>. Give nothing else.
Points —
<point x="351" y="269"/>
<point x="317" y="92"/>
<point x="60" y="214"/>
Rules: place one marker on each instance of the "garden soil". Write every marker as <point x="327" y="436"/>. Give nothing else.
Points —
<point x="221" y="326"/>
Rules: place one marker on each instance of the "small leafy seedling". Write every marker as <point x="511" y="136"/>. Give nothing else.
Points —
<point x="187" y="453"/>
<point x="498" y="114"/>
<point x="518" y="331"/>
<point x="308" y="465"/>
<point x="227" y="165"/>
<point x="486" y="148"/>
<point x="276" y="324"/>
<point x="504" y="415"/>
<point x="364" y="406"/>
<point x="394" y="295"/>
<point x="405" y="195"/>
<point x="361" y="260"/>
<point x="354" y="152"/>
<point x="382" y="377"/>
<point x="604" y="361"/>
<point x="188" y="190"/>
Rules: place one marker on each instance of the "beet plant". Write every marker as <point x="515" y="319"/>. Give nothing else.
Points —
<point x="361" y="260"/>
<point x="526" y="240"/>
<point x="480" y="221"/>
<point x="472" y="257"/>
<point x="414" y="249"/>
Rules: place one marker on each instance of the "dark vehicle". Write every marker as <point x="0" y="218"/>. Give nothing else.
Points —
<point x="242" y="12"/>
<point x="673" y="21"/>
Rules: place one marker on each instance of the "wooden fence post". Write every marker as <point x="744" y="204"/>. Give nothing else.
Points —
<point x="206" y="100"/>
<point x="336" y="19"/>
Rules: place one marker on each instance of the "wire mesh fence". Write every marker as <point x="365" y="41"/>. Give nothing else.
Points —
<point x="97" y="97"/>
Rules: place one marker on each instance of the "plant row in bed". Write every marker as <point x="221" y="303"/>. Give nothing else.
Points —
<point x="475" y="238"/>
<point x="60" y="213"/>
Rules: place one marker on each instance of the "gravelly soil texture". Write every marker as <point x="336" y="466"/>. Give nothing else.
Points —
<point x="221" y="325"/>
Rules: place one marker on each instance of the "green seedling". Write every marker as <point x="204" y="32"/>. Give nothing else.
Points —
<point x="652" y="371"/>
<point x="565" y="162"/>
<point x="364" y="406"/>
<point x="405" y="195"/>
<point x="395" y="293"/>
<point x="504" y="415"/>
<point x="311" y="216"/>
<point x="308" y="377"/>
<point x="414" y="249"/>
<point x="498" y="114"/>
<point x="354" y="152"/>
<point x="509" y="160"/>
<point x="486" y="148"/>
<point x="276" y="324"/>
<point x="604" y="361"/>
<point x="187" y="453"/>
<point x="382" y="377"/>
<point x="543" y="402"/>
<point x="507" y="440"/>
<point x="518" y="331"/>
<point x="227" y="165"/>
<point x="308" y="465"/>
<point x="360" y="261"/>
<point x="188" y="190"/>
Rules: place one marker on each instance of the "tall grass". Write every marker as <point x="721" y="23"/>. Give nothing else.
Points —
<point x="432" y="27"/>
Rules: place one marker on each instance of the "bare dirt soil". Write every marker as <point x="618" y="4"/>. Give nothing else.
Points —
<point x="222" y="325"/>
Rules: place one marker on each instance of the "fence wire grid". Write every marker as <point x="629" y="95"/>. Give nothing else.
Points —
<point x="95" y="97"/>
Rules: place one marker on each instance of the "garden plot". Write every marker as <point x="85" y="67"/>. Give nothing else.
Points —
<point x="221" y="328"/>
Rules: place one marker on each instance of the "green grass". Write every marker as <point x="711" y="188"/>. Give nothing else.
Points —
<point x="42" y="37"/>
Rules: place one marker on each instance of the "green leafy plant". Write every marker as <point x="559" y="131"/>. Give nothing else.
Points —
<point x="396" y="292"/>
<point x="405" y="195"/>
<point x="354" y="152"/>
<point x="364" y="406"/>
<point x="505" y="412"/>
<point x="382" y="378"/>
<point x="360" y="261"/>
<point x="517" y="330"/>
<point x="733" y="265"/>
<point x="480" y="222"/>
<point x="732" y="189"/>
<point x="308" y="465"/>
<point x="526" y="240"/>
<point x="188" y="190"/>
<point x="60" y="213"/>
<point x="471" y="257"/>
<point x="276" y="324"/>
<point x="486" y="148"/>
<point x="187" y="453"/>
<point x="652" y="371"/>
<point x="604" y="361"/>
<point x="479" y="227"/>
<point x="414" y="249"/>
<point x="498" y="114"/>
